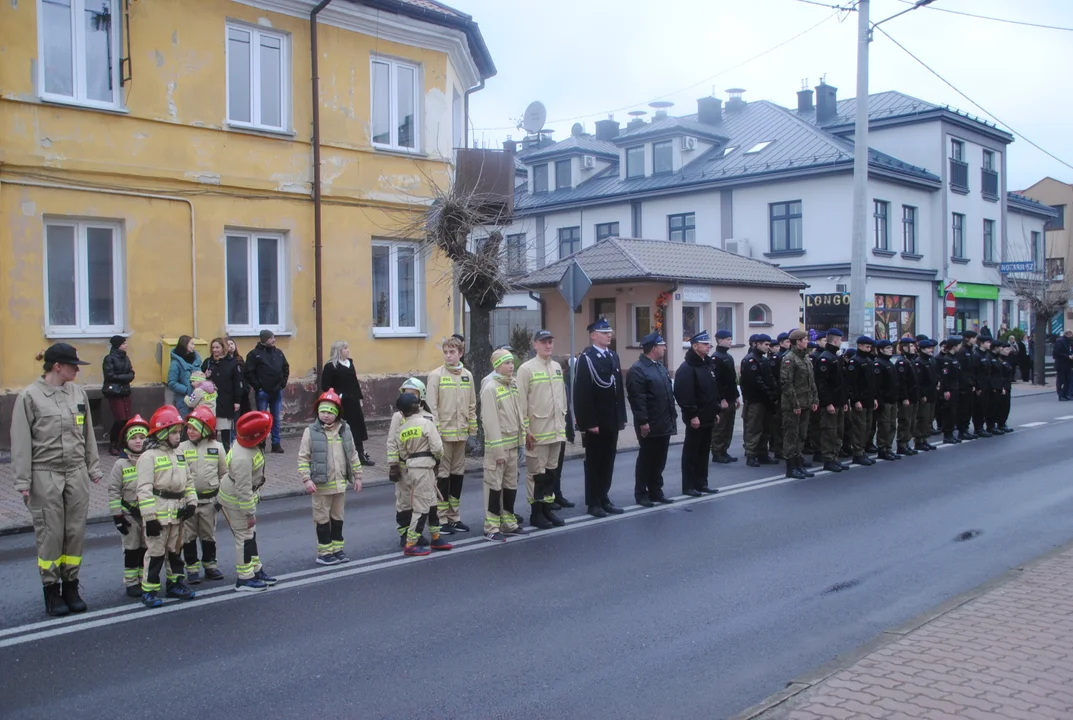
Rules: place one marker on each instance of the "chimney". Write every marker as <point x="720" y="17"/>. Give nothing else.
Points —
<point x="710" y="110"/>
<point x="638" y="119"/>
<point x="826" y="103"/>
<point x="510" y="146"/>
<point x="804" y="101"/>
<point x="606" y="130"/>
<point x="735" y="103"/>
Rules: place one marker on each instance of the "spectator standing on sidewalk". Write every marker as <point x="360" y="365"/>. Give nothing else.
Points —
<point x="184" y="362"/>
<point x="224" y="371"/>
<point x="244" y="394"/>
<point x="118" y="375"/>
<point x="655" y="419"/>
<point x="340" y="374"/>
<point x="267" y="372"/>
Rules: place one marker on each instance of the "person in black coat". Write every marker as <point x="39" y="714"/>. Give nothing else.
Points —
<point x="244" y="394"/>
<point x="222" y="368"/>
<point x="118" y="375"/>
<point x="339" y="374"/>
<point x="267" y="372"/>
<point x="600" y="410"/>
<point x="655" y="419"/>
<point x="697" y="393"/>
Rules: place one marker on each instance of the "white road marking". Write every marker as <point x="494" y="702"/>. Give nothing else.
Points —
<point x="1063" y="417"/>
<point x="1032" y="424"/>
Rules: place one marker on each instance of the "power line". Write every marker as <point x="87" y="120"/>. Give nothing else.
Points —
<point x="827" y="5"/>
<point x="689" y="87"/>
<point x="988" y="17"/>
<point x="978" y="105"/>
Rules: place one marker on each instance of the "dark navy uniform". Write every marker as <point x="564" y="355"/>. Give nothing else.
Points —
<point x="831" y="390"/>
<point x="925" y="367"/>
<point x="948" y="376"/>
<point x="760" y="393"/>
<point x="697" y="393"/>
<point x="600" y="404"/>
<point x="985" y="390"/>
<point x="910" y="391"/>
<point x="726" y="376"/>
<point x="860" y="389"/>
<point x="888" y="392"/>
<point x="966" y="387"/>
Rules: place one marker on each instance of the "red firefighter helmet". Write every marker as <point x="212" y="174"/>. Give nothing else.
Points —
<point x="164" y="418"/>
<point x="331" y="396"/>
<point x="252" y="428"/>
<point x="135" y="422"/>
<point x="204" y="416"/>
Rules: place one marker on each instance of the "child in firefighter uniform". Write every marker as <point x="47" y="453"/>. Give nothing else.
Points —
<point x="206" y="463"/>
<point x="204" y="394"/>
<point x="502" y="419"/>
<point x="123" y="502"/>
<point x="166" y="498"/>
<point x="453" y="401"/>
<point x="238" y="498"/>
<point x="420" y="448"/>
<point x="328" y="460"/>
<point x="403" y="487"/>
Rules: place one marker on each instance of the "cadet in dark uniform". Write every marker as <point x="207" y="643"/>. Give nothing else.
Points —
<point x="1006" y="373"/>
<point x="726" y="377"/>
<point x="910" y="394"/>
<point x="967" y="385"/>
<point x="761" y="396"/>
<point x="861" y="394"/>
<point x="948" y="375"/>
<point x="889" y="393"/>
<point x="929" y="393"/>
<point x="985" y="390"/>
<point x="697" y="394"/>
<point x="812" y="440"/>
<point x="655" y="419"/>
<point x="775" y="419"/>
<point x="600" y="407"/>
<point x="831" y="391"/>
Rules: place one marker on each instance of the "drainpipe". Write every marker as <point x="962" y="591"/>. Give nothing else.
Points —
<point x="465" y="111"/>
<point x="543" y="309"/>
<point x="318" y="289"/>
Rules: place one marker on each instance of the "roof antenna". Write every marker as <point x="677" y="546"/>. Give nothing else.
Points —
<point x="804" y="83"/>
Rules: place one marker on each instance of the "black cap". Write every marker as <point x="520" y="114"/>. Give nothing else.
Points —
<point x="266" y="335"/>
<point x="461" y="338"/>
<point x="969" y="334"/>
<point x="64" y="354"/>
<point x="116" y="341"/>
<point x="542" y="335"/>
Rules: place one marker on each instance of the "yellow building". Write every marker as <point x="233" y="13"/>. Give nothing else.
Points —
<point x="156" y="179"/>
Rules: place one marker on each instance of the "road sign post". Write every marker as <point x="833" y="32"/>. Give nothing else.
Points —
<point x="573" y="286"/>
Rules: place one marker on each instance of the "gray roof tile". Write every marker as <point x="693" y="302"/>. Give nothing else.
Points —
<point x="574" y="146"/>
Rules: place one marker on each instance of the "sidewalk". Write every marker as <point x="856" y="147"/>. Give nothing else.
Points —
<point x="1023" y="389"/>
<point x="1002" y="651"/>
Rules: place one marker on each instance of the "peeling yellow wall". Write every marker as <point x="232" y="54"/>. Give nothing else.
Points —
<point x="174" y="140"/>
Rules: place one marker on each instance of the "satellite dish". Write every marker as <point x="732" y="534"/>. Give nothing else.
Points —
<point x="577" y="130"/>
<point x="535" y="117"/>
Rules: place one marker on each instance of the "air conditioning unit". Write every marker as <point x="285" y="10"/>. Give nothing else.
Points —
<point x="731" y="246"/>
<point x="841" y="288"/>
<point x="689" y="143"/>
<point x="738" y="246"/>
<point x="588" y="162"/>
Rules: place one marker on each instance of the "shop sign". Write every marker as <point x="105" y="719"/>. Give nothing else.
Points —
<point x="970" y="291"/>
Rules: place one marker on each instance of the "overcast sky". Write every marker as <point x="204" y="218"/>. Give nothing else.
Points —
<point x="586" y="58"/>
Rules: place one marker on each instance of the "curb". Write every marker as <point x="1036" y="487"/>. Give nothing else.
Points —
<point x="781" y="700"/>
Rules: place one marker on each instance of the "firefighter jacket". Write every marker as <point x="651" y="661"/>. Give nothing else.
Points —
<point x="206" y="463"/>
<point x="52" y="430"/>
<point x="328" y="456"/>
<point x="542" y="400"/>
<point x="757" y="383"/>
<point x="420" y="445"/>
<point x="245" y="476"/>
<point x="726" y="376"/>
<point x="393" y="438"/>
<point x="453" y="401"/>
<point x="908" y="382"/>
<point x="122" y="486"/>
<point x="861" y="379"/>
<point x="949" y="372"/>
<point x="502" y="418"/>
<point x="164" y="486"/>
<point x="830" y="385"/>
<point x="797" y="380"/>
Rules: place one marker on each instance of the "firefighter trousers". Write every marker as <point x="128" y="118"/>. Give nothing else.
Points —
<point x="541" y="460"/>
<point x="59" y="503"/>
<point x="201" y="526"/>
<point x="169" y="542"/>
<point x="328" y="512"/>
<point x="500" y="492"/>
<point x="247" y="561"/>
<point x="133" y="552"/>
<point x="422" y="499"/>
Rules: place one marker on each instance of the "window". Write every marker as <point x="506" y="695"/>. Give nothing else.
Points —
<point x="642" y="322"/>
<point x="958" y="235"/>
<point x="83" y="278"/>
<point x="257" y="78"/>
<point x="760" y="315"/>
<point x="726" y="151"/>
<point x="562" y="175"/>
<point x="989" y="241"/>
<point x="635" y="161"/>
<point x="882" y="224"/>
<point x="957" y="150"/>
<point x="569" y="241"/>
<point x="785" y="226"/>
<point x="756" y="148"/>
<point x="79" y="51"/>
<point x="256" y="275"/>
<point x="606" y="230"/>
<point x="635" y="219"/>
<point x="540" y="178"/>
<point x="396" y="288"/>
<point x="909" y="229"/>
<point x="662" y="161"/>
<point x="1056" y="269"/>
<point x="1058" y="223"/>
<point x="516" y="254"/>
<point x="395" y="103"/>
<point x="724" y="318"/>
<point x="959" y="169"/>
<point x="989" y="177"/>
<point x="1037" y="250"/>
<point x="682" y="228"/>
<point x="989" y="160"/>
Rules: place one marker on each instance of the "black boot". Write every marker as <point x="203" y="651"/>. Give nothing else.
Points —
<point x="802" y="466"/>
<point x="70" y="596"/>
<point x="949" y="439"/>
<point x="752" y="461"/>
<point x="54" y="604"/>
<point x="832" y="466"/>
<point x="537" y="516"/>
<point x="552" y="517"/>
<point x="793" y="471"/>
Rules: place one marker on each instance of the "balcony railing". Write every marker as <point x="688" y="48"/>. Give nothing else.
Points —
<point x="959" y="176"/>
<point x="988" y="183"/>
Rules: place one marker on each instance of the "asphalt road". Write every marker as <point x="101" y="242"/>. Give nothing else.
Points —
<point x="698" y="609"/>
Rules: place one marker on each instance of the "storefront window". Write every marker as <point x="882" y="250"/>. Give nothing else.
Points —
<point x="896" y="316"/>
<point x="824" y="311"/>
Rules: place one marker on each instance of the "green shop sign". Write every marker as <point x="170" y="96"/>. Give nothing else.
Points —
<point x="971" y="291"/>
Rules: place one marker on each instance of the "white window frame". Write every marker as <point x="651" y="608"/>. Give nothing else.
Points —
<point x="81" y="279"/>
<point x="255" y="82"/>
<point x="393" y="98"/>
<point x="252" y="291"/>
<point x="765" y="322"/>
<point x="635" y="337"/>
<point x="733" y="307"/>
<point x="394" y="329"/>
<point x="78" y="42"/>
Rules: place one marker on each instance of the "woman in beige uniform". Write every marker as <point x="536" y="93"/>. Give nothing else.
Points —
<point x="53" y="458"/>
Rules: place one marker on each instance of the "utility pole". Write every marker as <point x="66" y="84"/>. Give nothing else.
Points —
<point x="858" y="260"/>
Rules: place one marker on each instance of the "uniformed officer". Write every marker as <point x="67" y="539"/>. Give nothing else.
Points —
<point x="929" y="393"/>
<point x="985" y="386"/>
<point x="948" y="375"/>
<point x="889" y="393"/>
<point x="774" y="429"/>
<point x="909" y="385"/>
<point x="53" y="459"/>
<point x="600" y="406"/>
<point x="542" y="400"/>
<point x="1006" y="373"/>
<point x="726" y="378"/>
<point x="761" y="395"/>
<point x="812" y="440"/>
<point x="799" y="400"/>
<point x="861" y="396"/>
<point x="697" y="393"/>
<point x="967" y="385"/>
<point x="655" y="419"/>
<point x="831" y="392"/>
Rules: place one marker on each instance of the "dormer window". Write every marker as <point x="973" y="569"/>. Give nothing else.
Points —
<point x="758" y="147"/>
<point x="562" y="175"/>
<point x="635" y="162"/>
<point x="662" y="157"/>
<point x="727" y="151"/>
<point x="540" y="178"/>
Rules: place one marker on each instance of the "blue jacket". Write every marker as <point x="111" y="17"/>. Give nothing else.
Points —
<point x="179" y="376"/>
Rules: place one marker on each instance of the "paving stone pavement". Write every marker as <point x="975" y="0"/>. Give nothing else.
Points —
<point x="1007" y="653"/>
